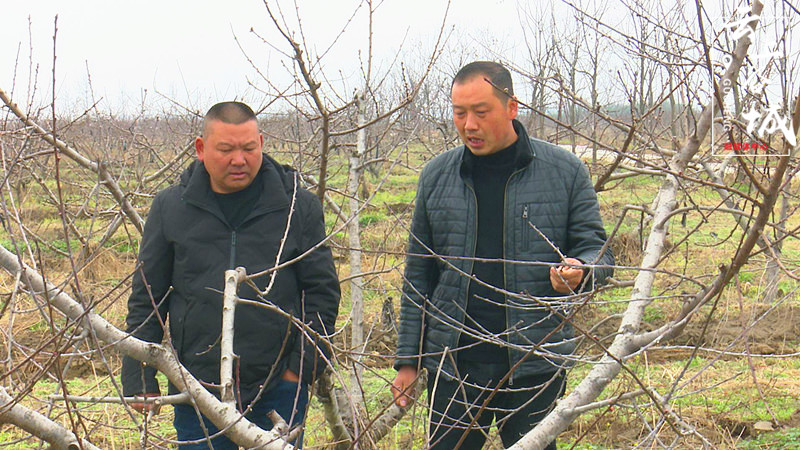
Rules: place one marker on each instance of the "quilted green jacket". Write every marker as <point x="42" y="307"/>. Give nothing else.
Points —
<point x="550" y="191"/>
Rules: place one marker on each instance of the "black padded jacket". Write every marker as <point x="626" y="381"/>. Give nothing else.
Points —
<point x="186" y="247"/>
<point x="549" y="193"/>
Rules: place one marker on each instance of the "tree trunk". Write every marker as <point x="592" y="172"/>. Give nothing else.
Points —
<point x="354" y="235"/>
<point x="628" y="340"/>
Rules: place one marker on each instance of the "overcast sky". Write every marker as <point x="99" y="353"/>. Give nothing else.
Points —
<point x="186" y="50"/>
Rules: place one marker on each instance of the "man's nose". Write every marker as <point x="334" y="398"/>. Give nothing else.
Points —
<point x="471" y="123"/>
<point x="237" y="159"/>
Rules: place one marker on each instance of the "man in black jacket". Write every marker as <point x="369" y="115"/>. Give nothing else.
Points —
<point x="231" y="209"/>
<point x="504" y="228"/>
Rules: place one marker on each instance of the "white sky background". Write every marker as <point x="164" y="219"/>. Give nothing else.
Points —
<point x="185" y="50"/>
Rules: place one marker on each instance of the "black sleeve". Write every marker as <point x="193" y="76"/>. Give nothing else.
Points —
<point x="586" y="235"/>
<point x="421" y="273"/>
<point x="151" y="282"/>
<point x="317" y="278"/>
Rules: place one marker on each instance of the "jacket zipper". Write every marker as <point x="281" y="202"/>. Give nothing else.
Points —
<point x="525" y="227"/>
<point x="472" y="265"/>
<point x="253" y="214"/>
<point x="505" y="257"/>
<point x="232" y="261"/>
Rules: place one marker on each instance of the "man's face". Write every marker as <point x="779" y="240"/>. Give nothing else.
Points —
<point x="231" y="154"/>
<point x="482" y="119"/>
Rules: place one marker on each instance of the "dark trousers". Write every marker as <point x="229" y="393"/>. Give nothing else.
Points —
<point x="516" y="409"/>
<point x="281" y="398"/>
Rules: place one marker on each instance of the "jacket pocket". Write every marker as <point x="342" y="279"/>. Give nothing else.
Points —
<point x="526" y="228"/>
<point x="544" y="226"/>
<point x="178" y="329"/>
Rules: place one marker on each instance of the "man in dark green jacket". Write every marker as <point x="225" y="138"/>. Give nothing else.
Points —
<point x="505" y="228"/>
<point x="231" y="209"/>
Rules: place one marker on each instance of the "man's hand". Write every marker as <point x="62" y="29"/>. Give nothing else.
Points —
<point x="405" y="378"/>
<point x="288" y="375"/>
<point x="565" y="279"/>
<point x="146" y="408"/>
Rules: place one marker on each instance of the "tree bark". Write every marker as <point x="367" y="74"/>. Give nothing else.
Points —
<point x="625" y="343"/>
<point x="224" y="416"/>
<point x="39" y="425"/>
<point x="354" y="236"/>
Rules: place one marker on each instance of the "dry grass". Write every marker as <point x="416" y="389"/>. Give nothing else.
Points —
<point x="722" y="400"/>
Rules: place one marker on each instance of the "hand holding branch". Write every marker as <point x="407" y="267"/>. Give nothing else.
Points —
<point x="147" y="407"/>
<point x="566" y="278"/>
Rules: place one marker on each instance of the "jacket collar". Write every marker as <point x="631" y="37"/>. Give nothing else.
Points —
<point x="525" y="152"/>
<point x="276" y="187"/>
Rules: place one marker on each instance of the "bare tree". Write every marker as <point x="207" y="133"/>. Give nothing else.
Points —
<point x="637" y="82"/>
<point x="343" y="119"/>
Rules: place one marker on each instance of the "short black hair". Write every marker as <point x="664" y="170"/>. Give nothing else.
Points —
<point x="495" y="72"/>
<point x="229" y="112"/>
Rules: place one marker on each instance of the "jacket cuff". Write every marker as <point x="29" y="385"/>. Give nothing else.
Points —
<point x="306" y="370"/>
<point x="587" y="281"/>
<point x="406" y="361"/>
<point x="133" y="372"/>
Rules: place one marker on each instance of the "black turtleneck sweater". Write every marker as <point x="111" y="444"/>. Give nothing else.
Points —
<point x="486" y="306"/>
<point x="237" y="205"/>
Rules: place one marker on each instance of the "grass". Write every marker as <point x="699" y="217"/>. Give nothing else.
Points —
<point x="783" y="439"/>
<point x="111" y="426"/>
<point x="369" y="217"/>
<point x="730" y="400"/>
<point x="723" y="391"/>
<point x="122" y="244"/>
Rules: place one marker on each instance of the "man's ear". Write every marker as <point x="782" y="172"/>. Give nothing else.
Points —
<point x="199" y="147"/>
<point x="513" y="108"/>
